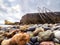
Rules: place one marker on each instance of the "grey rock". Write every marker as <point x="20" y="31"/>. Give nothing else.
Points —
<point x="57" y="34"/>
<point x="46" y="35"/>
<point x="56" y="40"/>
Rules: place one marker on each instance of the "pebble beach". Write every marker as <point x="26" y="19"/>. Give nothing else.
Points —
<point x="35" y="34"/>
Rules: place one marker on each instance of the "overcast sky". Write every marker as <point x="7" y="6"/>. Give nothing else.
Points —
<point x="13" y="10"/>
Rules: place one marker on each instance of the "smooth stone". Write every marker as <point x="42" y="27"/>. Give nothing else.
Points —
<point x="56" y="40"/>
<point x="33" y="39"/>
<point x="31" y="29"/>
<point x="37" y="30"/>
<point x="46" y="35"/>
<point x="28" y="44"/>
<point x="57" y="34"/>
<point x="47" y="28"/>
<point x="37" y="43"/>
<point x="57" y="44"/>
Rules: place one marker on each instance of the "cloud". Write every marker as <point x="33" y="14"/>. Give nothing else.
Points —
<point x="12" y="13"/>
<point x="11" y="0"/>
<point x="13" y="10"/>
<point x="48" y="3"/>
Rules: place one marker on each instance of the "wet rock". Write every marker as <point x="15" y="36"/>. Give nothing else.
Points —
<point x="2" y="37"/>
<point x="24" y="27"/>
<point x="46" y="35"/>
<point x="39" y="25"/>
<point x="18" y="39"/>
<point x="2" y="32"/>
<point x="6" y="42"/>
<point x="57" y="28"/>
<point x="45" y="25"/>
<point x="29" y="44"/>
<point x="57" y="44"/>
<point x="50" y="25"/>
<point x="30" y="33"/>
<point x="33" y="39"/>
<point x="37" y="43"/>
<point x="47" y="43"/>
<point x="47" y="28"/>
<point x="39" y="29"/>
<point x="31" y="29"/>
<point x="56" y="40"/>
<point x="10" y="34"/>
<point x="57" y="34"/>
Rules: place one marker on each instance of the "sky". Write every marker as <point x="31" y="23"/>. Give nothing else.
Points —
<point x="13" y="10"/>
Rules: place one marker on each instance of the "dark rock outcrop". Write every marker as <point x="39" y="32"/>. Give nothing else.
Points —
<point x="37" y="18"/>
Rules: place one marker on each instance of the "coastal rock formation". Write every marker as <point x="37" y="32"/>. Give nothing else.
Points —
<point x="37" y="18"/>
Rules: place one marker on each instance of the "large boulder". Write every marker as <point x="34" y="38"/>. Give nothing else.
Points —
<point x="45" y="36"/>
<point x="17" y="39"/>
<point x="6" y="42"/>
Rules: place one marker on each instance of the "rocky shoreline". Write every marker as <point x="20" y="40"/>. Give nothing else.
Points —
<point x="32" y="34"/>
